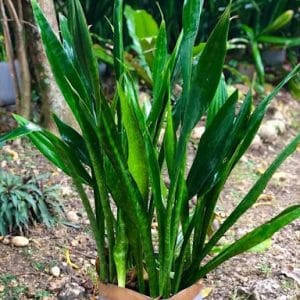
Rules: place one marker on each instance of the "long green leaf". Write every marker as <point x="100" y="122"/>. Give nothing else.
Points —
<point x="143" y="30"/>
<point x="62" y="66"/>
<point x="250" y="240"/>
<point x="219" y="99"/>
<point x="72" y="138"/>
<point x="137" y="160"/>
<point x="85" y="57"/>
<point x="258" y="114"/>
<point x="211" y="151"/>
<point x="206" y="75"/>
<point x="252" y="195"/>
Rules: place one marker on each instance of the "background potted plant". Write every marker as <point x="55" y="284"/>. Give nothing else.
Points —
<point x="118" y="154"/>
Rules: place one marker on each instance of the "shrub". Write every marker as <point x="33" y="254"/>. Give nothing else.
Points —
<point x="24" y="202"/>
<point x="118" y="153"/>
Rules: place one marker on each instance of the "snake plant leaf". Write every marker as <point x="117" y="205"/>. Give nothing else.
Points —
<point x="143" y="30"/>
<point x="253" y="238"/>
<point x="206" y="76"/>
<point x="118" y="39"/>
<point x="170" y="139"/>
<point x="279" y="40"/>
<point x="259" y="113"/>
<point x="211" y="150"/>
<point x="160" y="59"/>
<point x="137" y="160"/>
<point x="190" y="21"/>
<point x="219" y="99"/>
<point x="14" y="134"/>
<point x="252" y="195"/>
<point x="54" y="149"/>
<point x="85" y="57"/>
<point x="66" y="37"/>
<point x="160" y="101"/>
<point x="72" y="138"/>
<point x="62" y="66"/>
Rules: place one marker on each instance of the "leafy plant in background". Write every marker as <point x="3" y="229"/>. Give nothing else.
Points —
<point x="118" y="154"/>
<point x="2" y="49"/>
<point x="23" y="202"/>
<point x="264" y="35"/>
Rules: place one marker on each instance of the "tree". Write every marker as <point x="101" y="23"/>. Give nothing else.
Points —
<point x="22" y="84"/>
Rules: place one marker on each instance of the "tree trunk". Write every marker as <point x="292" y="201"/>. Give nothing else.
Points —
<point x="22" y="84"/>
<point x="52" y="99"/>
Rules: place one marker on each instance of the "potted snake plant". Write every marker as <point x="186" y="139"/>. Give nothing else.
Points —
<point x="119" y="154"/>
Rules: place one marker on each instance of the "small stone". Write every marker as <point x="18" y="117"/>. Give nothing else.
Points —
<point x="266" y="289"/>
<point x="57" y="284"/>
<point x="2" y="288"/>
<point x="268" y="133"/>
<point x="74" y="243"/>
<point x="278" y="124"/>
<point x="55" y="271"/>
<point x="66" y="191"/>
<point x="71" y="291"/>
<point x="30" y="292"/>
<point x="1" y="238"/>
<point x="72" y="216"/>
<point x="93" y="262"/>
<point x="256" y="143"/>
<point x="278" y="116"/>
<point x="20" y="241"/>
<point x="6" y="240"/>
<point x="198" y="132"/>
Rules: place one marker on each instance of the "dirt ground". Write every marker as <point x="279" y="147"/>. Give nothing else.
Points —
<point x="272" y="272"/>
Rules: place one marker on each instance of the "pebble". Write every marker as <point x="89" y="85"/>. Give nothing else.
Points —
<point x="55" y="271"/>
<point x="266" y="289"/>
<point x="72" y="216"/>
<point x="71" y="291"/>
<point x="256" y="143"/>
<point x="74" y="243"/>
<point x="57" y="284"/>
<point x="268" y="133"/>
<point x="6" y="241"/>
<point x="278" y="124"/>
<point x="197" y="132"/>
<point x="2" y="288"/>
<point x="20" y="241"/>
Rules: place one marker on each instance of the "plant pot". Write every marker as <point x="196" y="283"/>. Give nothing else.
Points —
<point x="112" y="292"/>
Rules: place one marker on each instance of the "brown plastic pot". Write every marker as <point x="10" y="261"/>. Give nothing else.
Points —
<point x="113" y="292"/>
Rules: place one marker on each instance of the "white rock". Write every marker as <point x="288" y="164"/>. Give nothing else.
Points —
<point x="278" y="124"/>
<point x="198" y="132"/>
<point x="55" y="271"/>
<point x="20" y="241"/>
<point x="74" y="243"/>
<point x="278" y="116"/>
<point x="268" y="132"/>
<point x="6" y="241"/>
<point x="256" y="143"/>
<point x="72" y="216"/>
<point x="71" y="291"/>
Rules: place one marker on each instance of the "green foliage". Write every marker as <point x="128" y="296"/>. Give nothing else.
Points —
<point x="120" y="156"/>
<point x="24" y="201"/>
<point x="12" y="289"/>
<point x="2" y="48"/>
